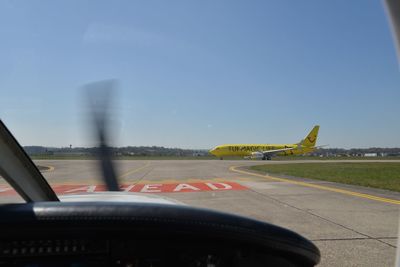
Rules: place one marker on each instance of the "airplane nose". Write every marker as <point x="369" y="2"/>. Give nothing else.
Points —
<point x="211" y="151"/>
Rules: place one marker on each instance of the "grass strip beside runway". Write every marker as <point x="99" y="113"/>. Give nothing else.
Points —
<point x="377" y="174"/>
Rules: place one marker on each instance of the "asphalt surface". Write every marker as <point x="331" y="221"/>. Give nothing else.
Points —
<point x="352" y="225"/>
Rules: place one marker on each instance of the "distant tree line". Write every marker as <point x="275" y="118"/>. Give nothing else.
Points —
<point x="117" y="151"/>
<point x="382" y="151"/>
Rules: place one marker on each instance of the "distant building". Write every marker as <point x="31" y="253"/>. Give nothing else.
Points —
<point x="370" y="154"/>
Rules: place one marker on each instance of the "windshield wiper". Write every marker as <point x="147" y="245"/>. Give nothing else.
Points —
<point x="17" y="168"/>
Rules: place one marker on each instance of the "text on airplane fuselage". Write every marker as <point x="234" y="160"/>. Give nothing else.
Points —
<point x="250" y="148"/>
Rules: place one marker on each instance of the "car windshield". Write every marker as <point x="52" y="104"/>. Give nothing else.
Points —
<point x="286" y="112"/>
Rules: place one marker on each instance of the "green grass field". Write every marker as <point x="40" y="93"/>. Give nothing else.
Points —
<point x="378" y="174"/>
<point x="280" y="158"/>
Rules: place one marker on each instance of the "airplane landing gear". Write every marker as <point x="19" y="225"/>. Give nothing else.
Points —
<point x="221" y="158"/>
<point x="266" y="158"/>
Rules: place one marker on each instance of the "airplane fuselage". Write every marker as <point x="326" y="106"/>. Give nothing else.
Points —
<point x="266" y="151"/>
<point x="245" y="150"/>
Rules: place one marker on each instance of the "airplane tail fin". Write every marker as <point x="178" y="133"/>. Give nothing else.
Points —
<point x="311" y="138"/>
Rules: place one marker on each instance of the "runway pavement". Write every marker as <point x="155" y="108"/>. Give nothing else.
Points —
<point x="352" y="226"/>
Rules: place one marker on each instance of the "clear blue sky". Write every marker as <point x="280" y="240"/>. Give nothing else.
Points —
<point x="195" y="74"/>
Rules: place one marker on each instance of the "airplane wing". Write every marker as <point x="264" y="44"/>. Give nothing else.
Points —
<point x="270" y="152"/>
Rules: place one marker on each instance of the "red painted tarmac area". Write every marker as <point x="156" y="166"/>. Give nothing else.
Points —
<point x="142" y="188"/>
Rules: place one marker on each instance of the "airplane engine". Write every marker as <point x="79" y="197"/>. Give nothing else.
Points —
<point x="257" y="155"/>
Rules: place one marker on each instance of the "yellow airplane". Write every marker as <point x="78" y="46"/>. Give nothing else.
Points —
<point x="266" y="151"/>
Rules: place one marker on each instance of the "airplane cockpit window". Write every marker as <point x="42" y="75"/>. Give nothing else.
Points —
<point x="199" y="133"/>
